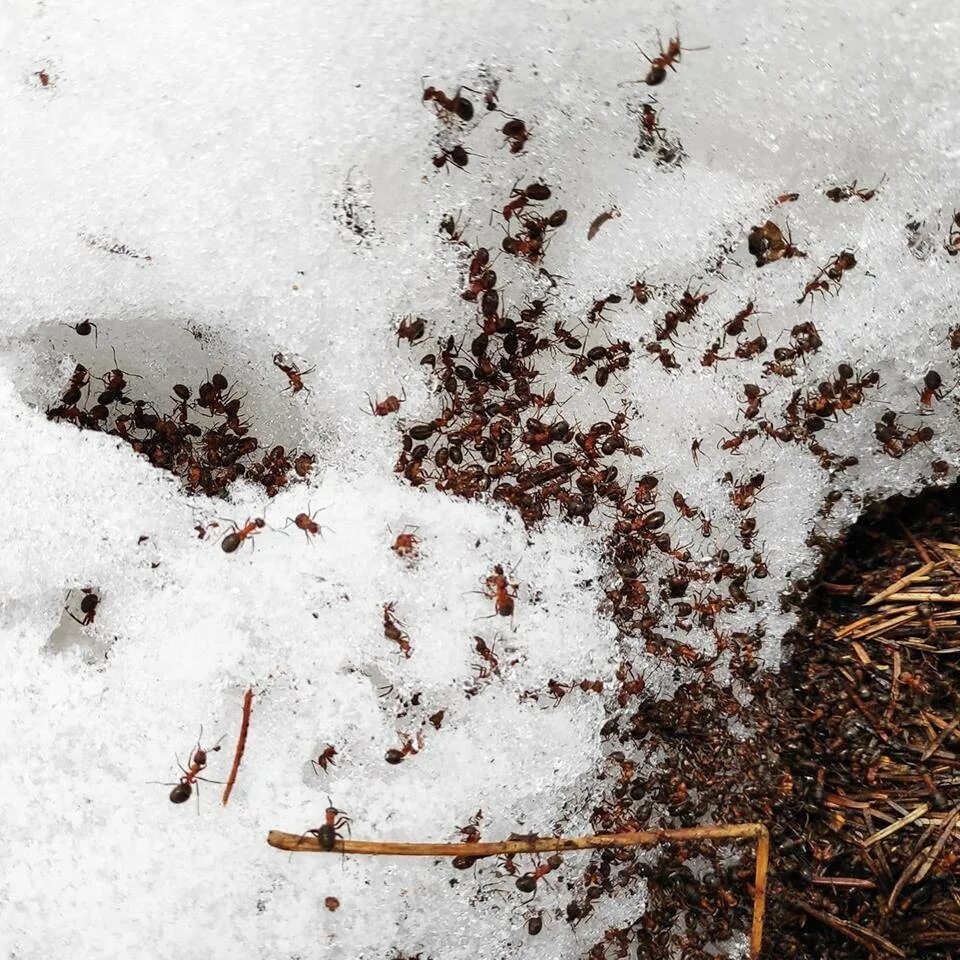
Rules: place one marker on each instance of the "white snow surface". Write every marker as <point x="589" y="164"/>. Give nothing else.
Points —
<point x="218" y="139"/>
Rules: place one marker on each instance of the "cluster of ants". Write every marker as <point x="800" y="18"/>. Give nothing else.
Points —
<point x="209" y="454"/>
<point x="457" y="111"/>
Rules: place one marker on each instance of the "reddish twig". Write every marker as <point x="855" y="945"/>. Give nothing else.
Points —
<point x="241" y="743"/>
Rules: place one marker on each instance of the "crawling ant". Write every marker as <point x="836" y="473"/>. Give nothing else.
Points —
<point x="952" y="243"/>
<point x="236" y="537"/>
<point x="767" y="243"/>
<point x="450" y="227"/>
<point x="536" y="192"/>
<point x="328" y="834"/>
<point x="84" y="327"/>
<point x="600" y="220"/>
<point x="325" y="759"/>
<point x="392" y="631"/>
<point x="394" y="756"/>
<point x="183" y="790"/>
<point x="385" y="407"/>
<point x="306" y="523"/>
<point x="88" y="607"/>
<point x="734" y="327"/>
<point x="695" y="451"/>
<point x="458" y="156"/>
<point x="815" y="286"/>
<point x="640" y="292"/>
<point x="406" y="544"/>
<point x="411" y="330"/>
<point x="456" y="104"/>
<point x="666" y="58"/>
<point x="498" y="589"/>
<point x="293" y="372"/>
<point x="932" y="384"/>
<point x="839" y="194"/>
<point x="516" y="133"/>
<point x="786" y="198"/>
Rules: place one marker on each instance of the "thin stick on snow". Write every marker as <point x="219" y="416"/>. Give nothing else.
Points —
<point x="241" y="743"/>
<point x="296" y="843"/>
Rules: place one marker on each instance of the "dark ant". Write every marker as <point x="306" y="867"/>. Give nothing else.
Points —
<point x="392" y="631"/>
<point x="932" y="384"/>
<point x="768" y="244"/>
<point x="411" y="330"/>
<point x="294" y="374"/>
<point x="952" y="243"/>
<point x="640" y="292"/>
<point x="517" y="134"/>
<point x="536" y="192"/>
<point x="325" y="759"/>
<point x="458" y="156"/>
<point x="329" y="833"/>
<point x="236" y="537"/>
<point x="88" y="607"/>
<point x="450" y="227"/>
<point x="84" y="327"/>
<point x="600" y="220"/>
<point x="456" y="104"/>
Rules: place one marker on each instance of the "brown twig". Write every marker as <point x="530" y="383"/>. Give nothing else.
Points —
<point x="241" y="744"/>
<point x="297" y="843"/>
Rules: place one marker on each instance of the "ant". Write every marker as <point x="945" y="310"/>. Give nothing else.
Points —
<point x="88" y="607"/>
<point x="952" y="243"/>
<point x="84" y="327"/>
<point x="516" y="133"/>
<point x="498" y="589"/>
<point x="658" y="65"/>
<point x="600" y="220"/>
<point x="329" y="833"/>
<point x="839" y="194"/>
<point x="932" y="383"/>
<point x="640" y="292"/>
<point x="385" y="407"/>
<point x="456" y="104"/>
<point x="406" y="544"/>
<point x="325" y="759"/>
<point x="451" y="228"/>
<point x="183" y="790"/>
<point x="293" y="372"/>
<point x="536" y="192"/>
<point x="768" y="244"/>
<point x="306" y="523"/>
<point x="392" y="631"/>
<point x="394" y="756"/>
<point x="458" y="156"/>
<point x="236" y="537"/>
<point x="411" y="330"/>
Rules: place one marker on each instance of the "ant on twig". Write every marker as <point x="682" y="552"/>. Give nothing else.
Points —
<point x="328" y="834"/>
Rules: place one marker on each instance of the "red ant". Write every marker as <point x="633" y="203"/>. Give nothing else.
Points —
<point x="306" y="523"/>
<point x="520" y="198"/>
<point x="498" y="589"/>
<point x="527" y="882"/>
<point x="325" y="759"/>
<point x="183" y="790"/>
<point x="932" y="383"/>
<point x="786" y="198"/>
<point x="385" y="407"/>
<point x="236" y="537"/>
<point x="456" y="104"/>
<point x="392" y="631"/>
<point x="517" y="134"/>
<point x="458" y="156"/>
<point x="406" y="544"/>
<point x="839" y="194"/>
<point x="411" y="330"/>
<point x="395" y="756"/>
<point x="293" y="372"/>
<point x="88" y="607"/>
<point x="658" y="65"/>
<point x="329" y="833"/>
<point x="640" y="292"/>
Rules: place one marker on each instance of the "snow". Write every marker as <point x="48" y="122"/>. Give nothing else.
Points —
<point x="198" y="169"/>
